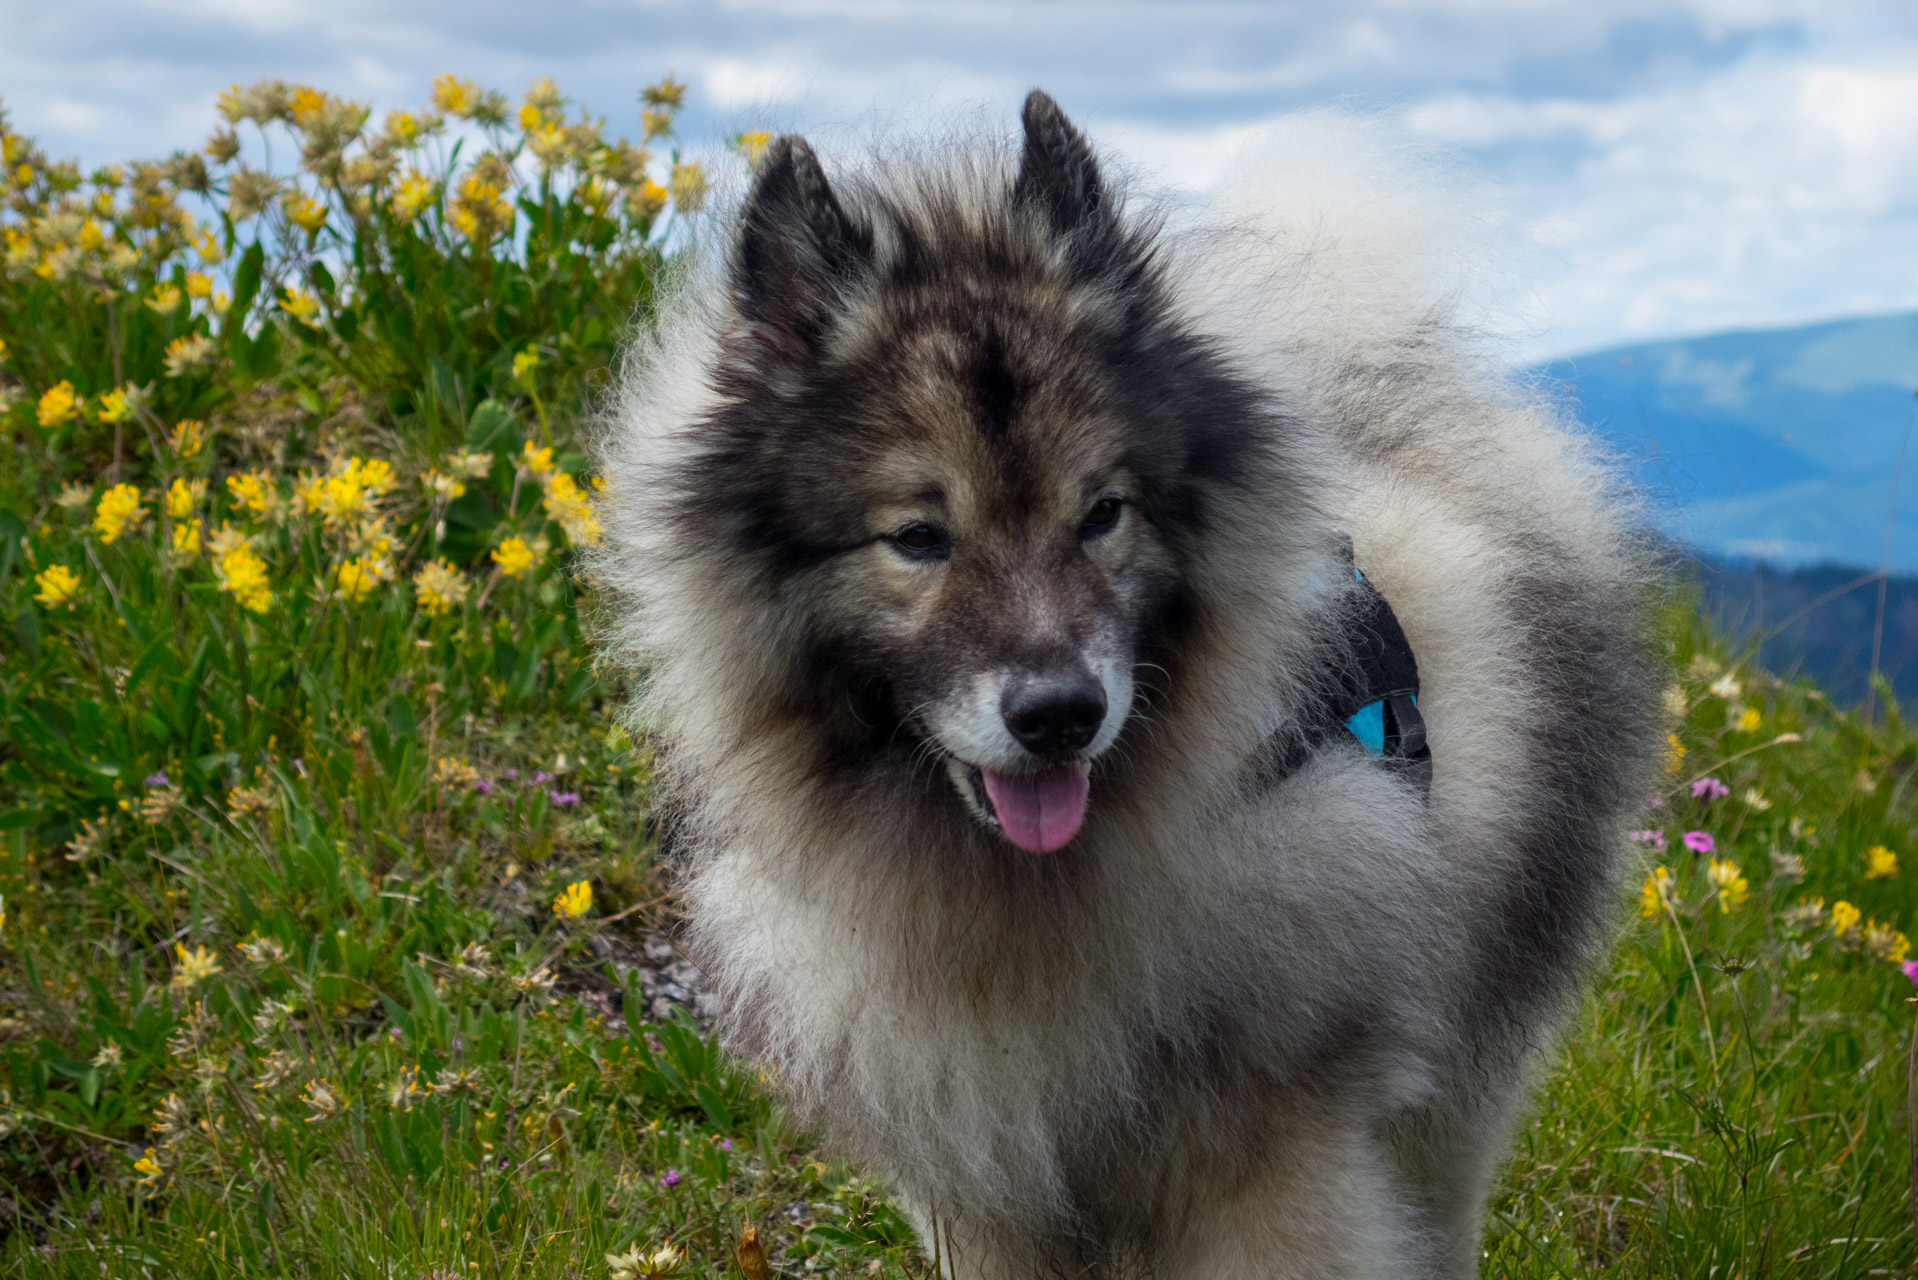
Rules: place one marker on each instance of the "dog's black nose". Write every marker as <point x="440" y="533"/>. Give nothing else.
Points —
<point x="1054" y="713"/>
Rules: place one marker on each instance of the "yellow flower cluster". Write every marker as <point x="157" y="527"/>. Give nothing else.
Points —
<point x="514" y="557"/>
<point x="481" y="211"/>
<point x="1733" y="888"/>
<point x="568" y="504"/>
<point x="358" y="576"/>
<point x="119" y="510"/>
<point x="188" y="437"/>
<point x="59" y="405"/>
<point x="254" y="492"/>
<point x="349" y="491"/>
<point x="440" y="588"/>
<point x="243" y="573"/>
<point x="1880" y="863"/>
<point x="575" y="901"/>
<point x="59" y="586"/>
<point x="1656" y="893"/>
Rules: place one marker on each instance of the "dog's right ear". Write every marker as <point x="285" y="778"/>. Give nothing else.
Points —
<point x="798" y="251"/>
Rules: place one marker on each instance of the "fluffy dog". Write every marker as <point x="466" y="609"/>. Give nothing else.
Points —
<point x="984" y="548"/>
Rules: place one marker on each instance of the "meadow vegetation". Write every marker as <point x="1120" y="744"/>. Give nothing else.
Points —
<point x="330" y="930"/>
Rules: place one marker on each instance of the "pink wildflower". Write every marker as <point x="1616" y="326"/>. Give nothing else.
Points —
<point x="1911" y="971"/>
<point x="670" y="1178"/>
<point x="1700" y="842"/>
<point x="1709" y="789"/>
<point x="1656" y="839"/>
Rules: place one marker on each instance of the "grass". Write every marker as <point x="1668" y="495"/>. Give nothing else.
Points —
<point x="328" y="884"/>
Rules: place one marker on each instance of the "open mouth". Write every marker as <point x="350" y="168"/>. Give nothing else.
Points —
<point x="1040" y="810"/>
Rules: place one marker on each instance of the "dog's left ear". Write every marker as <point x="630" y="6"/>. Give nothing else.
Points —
<point x="799" y="254"/>
<point x="1056" y="171"/>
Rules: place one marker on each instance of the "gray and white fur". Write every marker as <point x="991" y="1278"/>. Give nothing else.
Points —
<point x="964" y="468"/>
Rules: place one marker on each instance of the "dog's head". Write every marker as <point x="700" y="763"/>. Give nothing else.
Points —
<point x="966" y="438"/>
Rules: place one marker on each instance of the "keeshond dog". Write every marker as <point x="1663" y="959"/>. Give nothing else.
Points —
<point x="1145" y="708"/>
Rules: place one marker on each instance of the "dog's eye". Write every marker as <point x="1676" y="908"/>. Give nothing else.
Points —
<point x="920" y="542"/>
<point x="1099" y="520"/>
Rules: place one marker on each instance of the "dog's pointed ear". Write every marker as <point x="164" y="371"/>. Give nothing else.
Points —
<point x="797" y="249"/>
<point x="1057" y="173"/>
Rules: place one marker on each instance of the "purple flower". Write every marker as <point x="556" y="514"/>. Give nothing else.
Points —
<point x="157" y="779"/>
<point x="299" y="766"/>
<point x="541" y="778"/>
<point x="483" y="786"/>
<point x="1709" y="789"/>
<point x="1699" y="842"/>
<point x="670" y="1178"/>
<point x="512" y="773"/>
<point x="1656" y="839"/>
<point x="1654" y="802"/>
<point x="563" y="799"/>
<point x="1911" y="971"/>
<point x="726" y="1144"/>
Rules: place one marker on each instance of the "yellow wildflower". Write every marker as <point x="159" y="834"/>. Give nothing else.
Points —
<point x="186" y="353"/>
<point x="567" y="503"/>
<point x="454" y="96"/>
<point x="575" y="902"/>
<point x="753" y="144"/>
<point x="666" y="93"/>
<point x="414" y="197"/>
<point x="307" y="105"/>
<point x="90" y="238"/>
<point x="1885" y="942"/>
<point x="188" y="437"/>
<point x="359" y="576"/>
<point x="525" y="364"/>
<point x="253" y="491"/>
<point x="514" y="557"/>
<point x="114" y="407"/>
<point x="74" y="498"/>
<point x="403" y="127"/>
<point x="118" y="511"/>
<point x="148" y="1168"/>
<point x="226" y="538"/>
<point x="689" y="185"/>
<point x="1674" y="753"/>
<point x="1844" y="918"/>
<point x="166" y="298"/>
<point x="184" y="496"/>
<point x="199" y="285"/>
<point x="186" y="539"/>
<point x="1749" y="720"/>
<point x="440" y="587"/>
<point x="59" y="405"/>
<point x="645" y="200"/>
<point x="536" y="460"/>
<point x="58" y="586"/>
<point x="209" y="249"/>
<point x="299" y="304"/>
<point x="1880" y="863"/>
<point x="656" y="123"/>
<point x="1656" y="893"/>
<point x="481" y="211"/>
<point x="530" y="118"/>
<point x="349" y="493"/>
<point x="195" y="966"/>
<point x="1732" y="887"/>
<point x="304" y="212"/>
<point x="243" y="573"/>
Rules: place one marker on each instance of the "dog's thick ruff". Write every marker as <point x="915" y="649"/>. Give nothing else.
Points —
<point x="920" y="439"/>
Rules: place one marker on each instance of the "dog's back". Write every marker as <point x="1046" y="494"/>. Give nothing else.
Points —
<point x="1226" y="1017"/>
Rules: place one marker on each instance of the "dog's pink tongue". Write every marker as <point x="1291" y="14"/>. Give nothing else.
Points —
<point x="1042" y="811"/>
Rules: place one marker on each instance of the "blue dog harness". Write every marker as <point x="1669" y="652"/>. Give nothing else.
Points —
<point x="1371" y="697"/>
<point x="1381" y="683"/>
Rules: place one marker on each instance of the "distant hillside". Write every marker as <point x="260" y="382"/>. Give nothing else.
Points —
<point x="1817" y="621"/>
<point x="1774" y="445"/>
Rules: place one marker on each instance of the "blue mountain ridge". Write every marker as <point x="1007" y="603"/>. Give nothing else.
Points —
<point x="1773" y="444"/>
<point x="1768" y="456"/>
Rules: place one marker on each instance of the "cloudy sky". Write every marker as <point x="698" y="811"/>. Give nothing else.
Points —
<point x="1661" y="167"/>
